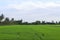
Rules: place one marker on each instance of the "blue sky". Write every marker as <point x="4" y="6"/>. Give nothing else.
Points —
<point x="31" y="10"/>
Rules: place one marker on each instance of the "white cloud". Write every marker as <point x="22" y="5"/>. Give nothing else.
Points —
<point x="33" y="10"/>
<point x="29" y="5"/>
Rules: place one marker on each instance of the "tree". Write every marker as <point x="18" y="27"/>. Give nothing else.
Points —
<point x="25" y="23"/>
<point x="1" y="18"/>
<point x="43" y="22"/>
<point x="7" y="21"/>
<point x="53" y="22"/>
<point x="37" y="22"/>
<point x="12" y="21"/>
<point x="59" y="22"/>
<point x="56" y="22"/>
<point x="18" y="22"/>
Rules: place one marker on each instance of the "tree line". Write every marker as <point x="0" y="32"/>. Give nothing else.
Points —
<point x="7" y="21"/>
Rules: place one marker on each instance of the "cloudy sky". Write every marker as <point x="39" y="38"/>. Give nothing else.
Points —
<point x="31" y="10"/>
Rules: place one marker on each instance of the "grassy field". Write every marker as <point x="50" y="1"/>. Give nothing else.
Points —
<point x="30" y="32"/>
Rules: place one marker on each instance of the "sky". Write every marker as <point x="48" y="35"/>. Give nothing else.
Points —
<point x="31" y="10"/>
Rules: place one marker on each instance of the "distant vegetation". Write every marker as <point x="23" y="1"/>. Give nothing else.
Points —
<point x="7" y="21"/>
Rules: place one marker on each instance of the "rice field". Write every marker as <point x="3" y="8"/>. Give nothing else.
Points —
<point x="30" y="32"/>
